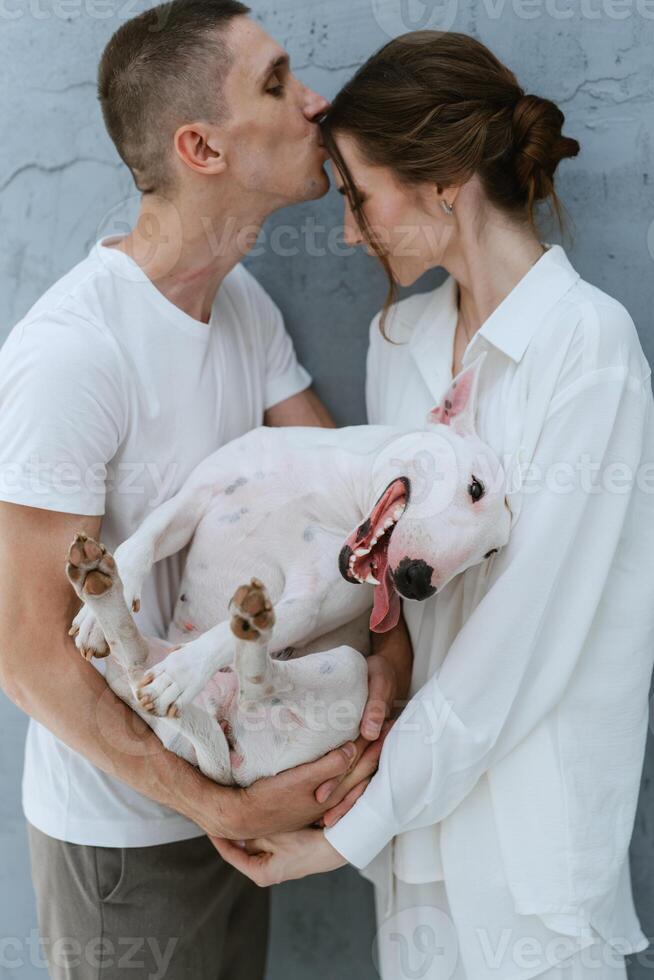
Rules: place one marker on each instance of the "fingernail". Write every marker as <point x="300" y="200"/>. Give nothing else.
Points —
<point x="350" y="750"/>
<point x="371" y="730"/>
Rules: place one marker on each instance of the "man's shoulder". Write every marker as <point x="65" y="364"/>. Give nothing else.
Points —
<point x="247" y="296"/>
<point x="71" y="291"/>
<point x="66" y="326"/>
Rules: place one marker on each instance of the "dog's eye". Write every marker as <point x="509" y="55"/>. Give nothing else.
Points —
<point x="476" y="489"/>
<point x="493" y="551"/>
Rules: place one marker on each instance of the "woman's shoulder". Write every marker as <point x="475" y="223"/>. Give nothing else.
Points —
<point x="599" y="331"/>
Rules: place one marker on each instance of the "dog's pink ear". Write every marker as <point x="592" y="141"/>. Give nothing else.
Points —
<point x="459" y="404"/>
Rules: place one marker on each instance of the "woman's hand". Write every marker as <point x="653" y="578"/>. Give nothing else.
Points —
<point x="283" y="857"/>
<point x="389" y="678"/>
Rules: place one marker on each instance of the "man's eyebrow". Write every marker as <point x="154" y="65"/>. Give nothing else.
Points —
<point x="280" y="61"/>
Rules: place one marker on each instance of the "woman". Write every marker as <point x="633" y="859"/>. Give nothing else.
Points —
<point x="497" y="827"/>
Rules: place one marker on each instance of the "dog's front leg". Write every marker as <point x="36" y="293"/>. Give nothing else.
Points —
<point x="185" y="672"/>
<point x="177" y="680"/>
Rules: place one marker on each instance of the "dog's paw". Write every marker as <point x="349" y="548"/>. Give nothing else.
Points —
<point x="251" y="611"/>
<point x="170" y="685"/>
<point x="92" y="572"/>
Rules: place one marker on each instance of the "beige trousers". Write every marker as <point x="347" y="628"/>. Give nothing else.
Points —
<point x="168" y="912"/>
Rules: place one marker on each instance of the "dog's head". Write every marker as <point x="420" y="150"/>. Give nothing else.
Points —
<point x="440" y="506"/>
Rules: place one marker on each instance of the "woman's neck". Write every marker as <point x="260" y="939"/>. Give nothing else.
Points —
<point x="488" y="268"/>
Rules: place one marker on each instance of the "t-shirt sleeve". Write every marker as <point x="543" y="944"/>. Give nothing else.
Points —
<point x="284" y="375"/>
<point x="62" y="414"/>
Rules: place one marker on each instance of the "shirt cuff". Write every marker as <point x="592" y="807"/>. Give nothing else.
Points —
<point x="284" y="386"/>
<point x="360" y="835"/>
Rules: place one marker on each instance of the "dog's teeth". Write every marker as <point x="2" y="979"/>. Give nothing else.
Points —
<point x="397" y="513"/>
<point x="370" y="579"/>
<point x="362" y="552"/>
<point x="389" y="523"/>
<point x="373" y="542"/>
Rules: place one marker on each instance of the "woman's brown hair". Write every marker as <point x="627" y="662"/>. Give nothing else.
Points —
<point x="437" y="107"/>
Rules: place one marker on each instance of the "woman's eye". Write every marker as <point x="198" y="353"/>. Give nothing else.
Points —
<point x="276" y="90"/>
<point x="476" y="489"/>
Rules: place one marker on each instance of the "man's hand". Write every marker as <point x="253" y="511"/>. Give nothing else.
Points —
<point x="291" y="800"/>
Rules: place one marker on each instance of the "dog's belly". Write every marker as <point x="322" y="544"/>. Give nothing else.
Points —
<point x="261" y="534"/>
<point x="315" y="707"/>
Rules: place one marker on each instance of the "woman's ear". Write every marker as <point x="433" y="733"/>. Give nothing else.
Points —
<point x="458" y="407"/>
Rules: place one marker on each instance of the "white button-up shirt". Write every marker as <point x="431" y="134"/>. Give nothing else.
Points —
<point x="513" y="773"/>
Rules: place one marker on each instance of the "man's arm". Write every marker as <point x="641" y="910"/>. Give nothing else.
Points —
<point x="304" y="408"/>
<point x="43" y="673"/>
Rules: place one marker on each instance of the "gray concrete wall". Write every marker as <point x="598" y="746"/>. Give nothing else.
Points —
<point x="61" y="187"/>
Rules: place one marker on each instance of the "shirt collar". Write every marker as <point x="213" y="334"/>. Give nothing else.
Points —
<point x="510" y="328"/>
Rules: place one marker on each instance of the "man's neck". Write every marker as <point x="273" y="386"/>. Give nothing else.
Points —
<point x="187" y="249"/>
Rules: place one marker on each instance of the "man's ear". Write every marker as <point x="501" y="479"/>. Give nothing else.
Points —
<point x="199" y="146"/>
<point x="458" y="407"/>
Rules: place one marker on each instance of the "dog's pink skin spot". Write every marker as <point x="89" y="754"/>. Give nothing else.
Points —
<point x="289" y="717"/>
<point x="237" y="759"/>
<point x="188" y="626"/>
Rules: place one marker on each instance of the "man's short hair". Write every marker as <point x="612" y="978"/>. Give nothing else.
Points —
<point x="159" y="70"/>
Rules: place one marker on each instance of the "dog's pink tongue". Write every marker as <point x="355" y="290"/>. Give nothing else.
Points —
<point x="386" y="609"/>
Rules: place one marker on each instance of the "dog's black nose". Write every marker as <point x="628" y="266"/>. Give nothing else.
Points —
<point x="413" y="579"/>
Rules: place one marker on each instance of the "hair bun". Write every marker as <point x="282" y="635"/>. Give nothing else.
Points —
<point x="539" y="144"/>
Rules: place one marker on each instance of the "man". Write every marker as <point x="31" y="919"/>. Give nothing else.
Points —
<point x="151" y="353"/>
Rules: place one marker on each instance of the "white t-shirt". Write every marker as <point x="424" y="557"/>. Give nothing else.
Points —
<point x="109" y="396"/>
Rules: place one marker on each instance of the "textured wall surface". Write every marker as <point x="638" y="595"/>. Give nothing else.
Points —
<point x="62" y="186"/>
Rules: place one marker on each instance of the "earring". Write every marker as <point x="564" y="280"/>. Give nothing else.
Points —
<point x="447" y="208"/>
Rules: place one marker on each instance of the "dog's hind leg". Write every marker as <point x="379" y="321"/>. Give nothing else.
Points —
<point x="93" y="573"/>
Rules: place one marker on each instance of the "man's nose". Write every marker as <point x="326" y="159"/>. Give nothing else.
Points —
<point x="314" y="106"/>
<point x="413" y="578"/>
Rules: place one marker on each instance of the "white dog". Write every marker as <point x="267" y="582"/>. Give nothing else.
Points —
<point x="226" y="692"/>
